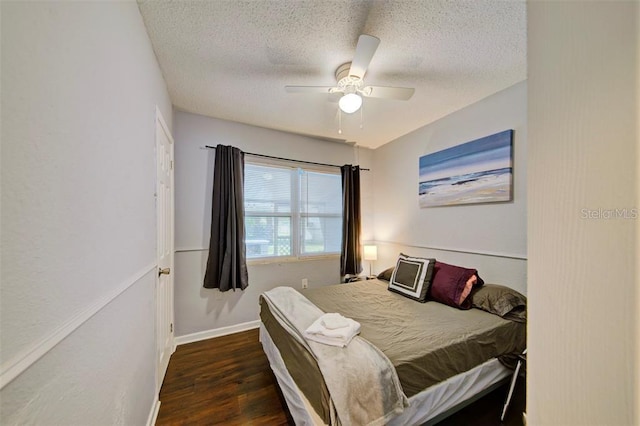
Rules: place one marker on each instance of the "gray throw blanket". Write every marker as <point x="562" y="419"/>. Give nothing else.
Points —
<point x="362" y="383"/>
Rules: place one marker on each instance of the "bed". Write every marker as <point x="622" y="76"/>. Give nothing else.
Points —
<point x="442" y="357"/>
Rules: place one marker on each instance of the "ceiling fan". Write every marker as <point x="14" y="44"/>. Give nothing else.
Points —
<point x="350" y="80"/>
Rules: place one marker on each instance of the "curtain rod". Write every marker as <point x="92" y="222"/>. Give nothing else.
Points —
<point x="286" y="159"/>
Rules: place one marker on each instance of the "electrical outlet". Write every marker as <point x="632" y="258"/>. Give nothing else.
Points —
<point x="305" y="283"/>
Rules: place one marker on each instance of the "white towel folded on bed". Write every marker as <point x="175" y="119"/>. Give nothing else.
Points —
<point x="341" y="336"/>
<point x="333" y="321"/>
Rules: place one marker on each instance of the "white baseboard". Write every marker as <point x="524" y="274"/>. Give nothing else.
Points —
<point x="153" y="414"/>
<point x="216" y="332"/>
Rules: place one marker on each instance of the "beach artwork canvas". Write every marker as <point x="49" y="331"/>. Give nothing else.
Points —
<point x="479" y="171"/>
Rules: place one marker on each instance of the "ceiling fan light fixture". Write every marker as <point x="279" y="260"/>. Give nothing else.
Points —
<point x="350" y="103"/>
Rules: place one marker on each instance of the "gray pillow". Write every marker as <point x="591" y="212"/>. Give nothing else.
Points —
<point x="500" y="300"/>
<point x="386" y="274"/>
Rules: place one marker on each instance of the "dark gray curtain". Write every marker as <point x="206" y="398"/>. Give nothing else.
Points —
<point x="351" y="255"/>
<point x="227" y="263"/>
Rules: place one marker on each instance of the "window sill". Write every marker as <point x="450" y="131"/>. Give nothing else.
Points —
<point x="271" y="260"/>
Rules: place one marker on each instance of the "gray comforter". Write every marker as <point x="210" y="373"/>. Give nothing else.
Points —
<point x="362" y="382"/>
<point x="426" y="342"/>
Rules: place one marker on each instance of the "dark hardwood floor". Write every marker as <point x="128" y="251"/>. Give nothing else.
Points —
<point x="228" y="381"/>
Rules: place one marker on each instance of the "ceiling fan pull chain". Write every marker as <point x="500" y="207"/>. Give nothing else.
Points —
<point x="361" y="115"/>
<point x="339" y="121"/>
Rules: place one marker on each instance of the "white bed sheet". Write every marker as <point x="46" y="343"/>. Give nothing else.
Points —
<point x="423" y="406"/>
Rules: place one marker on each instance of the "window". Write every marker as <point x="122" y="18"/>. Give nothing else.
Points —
<point x="291" y="212"/>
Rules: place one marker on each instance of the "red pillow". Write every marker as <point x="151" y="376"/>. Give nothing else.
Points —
<point x="452" y="284"/>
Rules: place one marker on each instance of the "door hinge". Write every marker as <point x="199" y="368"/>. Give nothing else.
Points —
<point x="171" y="328"/>
<point x="171" y="164"/>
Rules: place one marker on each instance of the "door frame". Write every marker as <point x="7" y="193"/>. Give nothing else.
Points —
<point x="161" y="126"/>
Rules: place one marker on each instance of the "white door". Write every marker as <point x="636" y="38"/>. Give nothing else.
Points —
<point x="165" y="249"/>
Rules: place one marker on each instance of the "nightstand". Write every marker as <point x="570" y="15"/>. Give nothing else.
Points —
<point x="522" y="359"/>
<point x="359" y="278"/>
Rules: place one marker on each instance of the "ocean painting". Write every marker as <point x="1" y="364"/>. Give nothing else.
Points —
<point x="480" y="171"/>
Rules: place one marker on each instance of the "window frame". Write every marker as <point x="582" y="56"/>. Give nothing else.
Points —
<point x="295" y="214"/>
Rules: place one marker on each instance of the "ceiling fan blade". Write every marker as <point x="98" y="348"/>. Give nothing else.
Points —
<point x="367" y="46"/>
<point x="308" y="89"/>
<point x="398" y="93"/>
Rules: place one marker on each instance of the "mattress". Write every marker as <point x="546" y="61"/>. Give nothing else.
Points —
<point x="427" y="343"/>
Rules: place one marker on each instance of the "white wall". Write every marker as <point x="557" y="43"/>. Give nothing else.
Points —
<point x="497" y="230"/>
<point x="583" y="105"/>
<point x="80" y="84"/>
<point x="636" y="361"/>
<point x="198" y="309"/>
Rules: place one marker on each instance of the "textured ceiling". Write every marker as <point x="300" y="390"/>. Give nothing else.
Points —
<point x="232" y="59"/>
